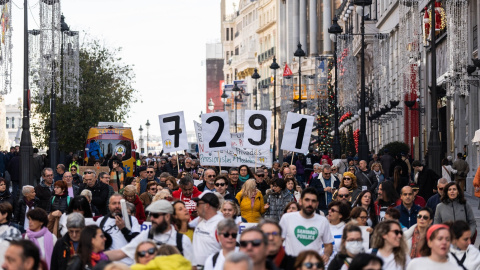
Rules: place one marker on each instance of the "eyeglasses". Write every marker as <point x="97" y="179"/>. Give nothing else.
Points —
<point x="310" y="265"/>
<point x="48" y="175"/>
<point x="363" y="217"/>
<point x="227" y="235"/>
<point x="150" y="251"/>
<point x="424" y="217"/>
<point x="255" y="243"/>
<point x="333" y="210"/>
<point x="343" y="195"/>
<point x="87" y="172"/>
<point x="397" y="232"/>
<point x="210" y="176"/>
<point x="157" y="215"/>
<point x="272" y="234"/>
<point x="153" y="189"/>
<point x="234" y="174"/>
<point x="220" y="184"/>
<point x="73" y="170"/>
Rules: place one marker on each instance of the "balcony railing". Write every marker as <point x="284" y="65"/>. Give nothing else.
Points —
<point x="266" y="55"/>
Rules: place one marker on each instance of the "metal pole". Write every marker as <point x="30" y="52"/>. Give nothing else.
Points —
<point x="434" y="145"/>
<point x="53" y="141"/>
<point x="363" y="142"/>
<point x="336" y="142"/>
<point x="299" y="85"/>
<point x="236" y="130"/>
<point x="256" y="95"/>
<point x="274" y="112"/>
<point x="26" y="149"/>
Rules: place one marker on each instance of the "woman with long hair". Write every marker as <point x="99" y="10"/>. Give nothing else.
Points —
<point x="38" y="233"/>
<point x="377" y="170"/>
<point x="434" y="250"/>
<point x="398" y="180"/>
<point x="351" y="245"/>
<point x="293" y="188"/>
<point x="171" y="183"/>
<point x="180" y="219"/>
<point x="461" y="249"/>
<point x="252" y="206"/>
<point x="79" y="204"/>
<point x="388" y="244"/>
<point x="244" y="173"/>
<point x="453" y="207"/>
<point x="365" y="200"/>
<point x="416" y="233"/>
<point x="90" y="249"/>
<point x="387" y="198"/>
<point x="145" y="252"/>
<point x="231" y="210"/>
<point x="5" y="195"/>
<point x="349" y="181"/>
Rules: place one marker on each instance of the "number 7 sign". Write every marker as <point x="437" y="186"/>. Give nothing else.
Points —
<point x="298" y="130"/>
<point x="174" y="133"/>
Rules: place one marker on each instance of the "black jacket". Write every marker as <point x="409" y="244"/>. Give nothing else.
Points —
<point x="7" y="197"/>
<point x="59" y="203"/>
<point x="427" y="182"/>
<point x="99" y="196"/>
<point x="19" y="213"/>
<point x="44" y="193"/>
<point x="61" y="253"/>
<point x="337" y="262"/>
<point x="367" y="178"/>
<point x="317" y="184"/>
<point x="235" y="189"/>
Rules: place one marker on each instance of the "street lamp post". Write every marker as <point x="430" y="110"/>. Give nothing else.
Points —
<point x="274" y="66"/>
<point x="299" y="53"/>
<point x="26" y="148"/>
<point x="235" y="90"/>
<point x="148" y="132"/>
<point x="334" y="30"/>
<point x="224" y="98"/>
<point x="211" y="105"/>
<point x="363" y="142"/>
<point x="256" y="76"/>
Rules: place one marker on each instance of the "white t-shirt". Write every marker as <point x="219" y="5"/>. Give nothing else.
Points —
<point x="303" y="234"/>
<point x="218" y="265"/>
<point x="425" y="263"/>
<point x="118" y="240"/>
<point x="169" y="238"/>
<point x="204" y="239"/>
<point x="337" y="232"/>
<point x="389" y="262"/>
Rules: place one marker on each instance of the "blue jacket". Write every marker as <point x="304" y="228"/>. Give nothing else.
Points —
<point x="143" y="184"/>
<point x="433" y="202"/>
<point x="408" y="219"/>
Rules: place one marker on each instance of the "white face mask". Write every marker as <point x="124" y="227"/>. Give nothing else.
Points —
<point x="354" y="247"/>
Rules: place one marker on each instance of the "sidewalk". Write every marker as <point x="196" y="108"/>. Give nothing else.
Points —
<point x="473" y="202"/>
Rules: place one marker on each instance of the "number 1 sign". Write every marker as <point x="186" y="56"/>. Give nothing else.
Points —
<point x="216" y="131"/>
<point x="174" y="133"/>
<point x="298" y="129"/>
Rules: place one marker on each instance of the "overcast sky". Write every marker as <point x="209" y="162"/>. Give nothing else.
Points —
<point x="164" y="40"/>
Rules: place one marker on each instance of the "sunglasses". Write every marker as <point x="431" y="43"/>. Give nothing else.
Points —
<point x="87" y="172"/>
<point x="343" y="195"/>
<point x="441" y="189"/>
<point x="333" y="210"/>
<point x="347" y="178"/>
<point x="153" y="189"/>
<point x="397" y="232"/>
<point x="150" y="172"/>
<point x="424" y="217"/>
<point x="220" y="184"/>
<point x="157" y="215"/>
<point x="255" y="243"/>
<point x="227" y="235"/>
<point x="310" y="265"/>
<point x="150" y="251"/>
<point x="260" y="175"/>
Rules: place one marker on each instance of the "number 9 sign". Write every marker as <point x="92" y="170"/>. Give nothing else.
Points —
<point x="257" y="129"/>
<point x="215" y="130"/>
<point x="298" y="129"/>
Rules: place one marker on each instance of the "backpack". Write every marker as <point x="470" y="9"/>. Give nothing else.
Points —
<point x="68" y="200"/>
<point x="215" y="257"/>
<point x="179" y="237"/>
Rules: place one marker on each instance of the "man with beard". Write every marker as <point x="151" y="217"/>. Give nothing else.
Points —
<point x="305" y="229"/>
<point x="186" y="193"/>
<point x="114" y="225"/>
<point x="162" y="232"/>
<point x="191" y="168"/>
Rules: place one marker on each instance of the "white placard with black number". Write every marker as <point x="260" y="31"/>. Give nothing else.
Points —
<point x="298" y="130"/>
<point x="257" y="129"/>
<point x="216" y="131"/>
<point x="174" y="133"/>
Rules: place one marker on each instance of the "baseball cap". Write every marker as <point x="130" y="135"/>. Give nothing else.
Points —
<point x="160" y="206"/>
<point x="208" y="197"/>
<point x="260" y="171"/>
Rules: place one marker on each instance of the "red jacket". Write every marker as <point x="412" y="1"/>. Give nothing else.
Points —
<point x="189" y="203"/>
<point x="195" y="193"/>
<point x="140" y="212"/>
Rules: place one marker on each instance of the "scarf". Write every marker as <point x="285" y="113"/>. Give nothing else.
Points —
<point x="244" y="178"/>
<point x="29" y="203"/>
<point x="279" y="258"/>
<point x="415" y="251"/>
<point x="97" y="257"/>
<point x="47" y="242"/>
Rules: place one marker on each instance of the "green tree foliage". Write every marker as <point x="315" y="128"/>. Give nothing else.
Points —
<point x="395" y="148"/>
<point x="106" y="94"/>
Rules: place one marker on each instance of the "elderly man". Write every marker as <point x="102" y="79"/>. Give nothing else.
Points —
<point x="162" y="232"/>
<point x="255" y="243"/>
<point x="408" y="210"/>
<point x="67" y="246"/>
<point x="22" y="254"/>
<point x="73" y="190"/>
<point x="25" y="204"/>
<point x="99" y="191"/>
<point x="435" y="199"/>
<point x="208" y="183"/>
<point x="114" y="225"/>
<point x="60" y="172"/>
<point x="44" y="190"/>
<point x="105" y="178"/>
<point x="325" y="185"/>
<point x="191" y="168"/>
<point x="365" y="178"/>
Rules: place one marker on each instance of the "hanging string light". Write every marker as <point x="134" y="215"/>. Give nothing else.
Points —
<point x="6" y="48"/>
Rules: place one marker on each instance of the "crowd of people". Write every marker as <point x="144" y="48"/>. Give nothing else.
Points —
<point x="313" y="212"/>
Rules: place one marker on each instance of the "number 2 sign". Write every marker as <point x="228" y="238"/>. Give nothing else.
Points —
<point x="257" y="129"/>
<point x="174" y="133"/>
<point x="298" y="129"/>
<point x="216" y="131"/>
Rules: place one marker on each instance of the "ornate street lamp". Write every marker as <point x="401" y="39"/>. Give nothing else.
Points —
<point x="274" y="66"/>
<point x="211" y="105"/>
<point x="148" y="134"/>
<point x="224" y="98"/>
<point x="256" y="76"/>
<point x="299" y="53"/>
<point x="235" y="90"/>
<point x="334" y="30"/>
